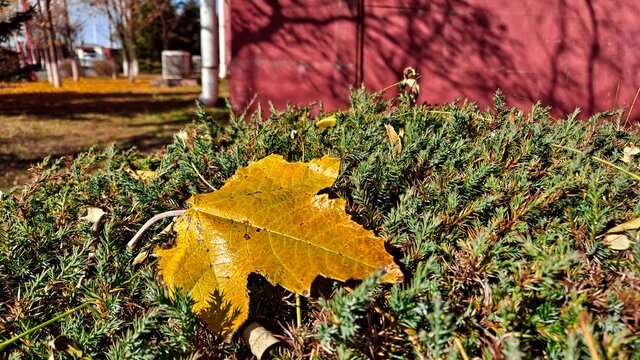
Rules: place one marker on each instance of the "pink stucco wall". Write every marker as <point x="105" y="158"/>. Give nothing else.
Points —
<point x="565" y="53"/>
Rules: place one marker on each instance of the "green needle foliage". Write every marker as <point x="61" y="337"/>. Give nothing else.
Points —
<point x="498" y="231"/>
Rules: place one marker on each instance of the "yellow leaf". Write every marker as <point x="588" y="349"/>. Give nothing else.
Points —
<point x="267" y="219"/>
<point x="394" y="139"/>
<point x="140" y="258"/>
<point x="329" y="121"/>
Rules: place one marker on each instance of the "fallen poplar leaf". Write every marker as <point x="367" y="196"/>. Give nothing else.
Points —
<point x="617" y="241"/>
<point x="629" y="152"/>
<point x="616" y="238"/>
<point x="629" y="225"/>
<point x="394" y="139"/>
<point x="267" y="219"/>
<point x="329" y="121"/>
<point x="94" y="216"/>
<point x="260" y="340"/>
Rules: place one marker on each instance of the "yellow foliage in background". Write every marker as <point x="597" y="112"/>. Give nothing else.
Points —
<point x="103" y="85"/>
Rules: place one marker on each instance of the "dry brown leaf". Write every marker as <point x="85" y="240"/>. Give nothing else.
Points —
<point x="629" y="225"/>
<point x="410" y="80"/>
<point x="629" y="152"/>
<point x="617" y="241"/>
<point x="94" y="216"/>
<point x="259" y="339"/>
<point x="267" y="219"/>
<point x="64" y="344"/>
<point x="616" y="237"/>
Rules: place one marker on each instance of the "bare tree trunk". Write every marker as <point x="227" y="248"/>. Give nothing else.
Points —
<point x="114" y="66"/>
<point x="125" y="54"/>
<point x="135" y="70"/>
<point x="133" y="55"/>
<point x="75" y="71"/>
<point x="47" y="66"/>
<point x="114" y="72"/>
<point x="53" y="55"/>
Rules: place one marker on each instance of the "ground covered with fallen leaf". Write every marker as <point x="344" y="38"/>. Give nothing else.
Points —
<point x="500" y="234"/>
<point x="37" y="120"/>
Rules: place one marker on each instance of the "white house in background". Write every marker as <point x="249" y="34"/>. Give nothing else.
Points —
<point x="89" y="53"/>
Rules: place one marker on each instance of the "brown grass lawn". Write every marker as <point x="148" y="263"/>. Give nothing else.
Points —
<point x="37" y="120"/>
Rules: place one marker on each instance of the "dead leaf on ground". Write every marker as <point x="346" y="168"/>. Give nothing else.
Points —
<point x="267" y="219"/>
<point x="629" y="152"/>
<point x="94" y="216"/>
<point x="616" y="238"/>
<point x="260" y="340"/>
<point x="617" y="241"/>
<point x="140" y="258"/>
<point x="394" y="139"/>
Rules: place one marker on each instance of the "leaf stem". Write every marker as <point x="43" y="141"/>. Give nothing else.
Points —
<point x="38" y="327"/>
<point x="600" y="160"/>
<point x="132" y="243"/>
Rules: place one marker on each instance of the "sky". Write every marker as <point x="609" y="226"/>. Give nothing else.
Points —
<point x="95" y="27"/>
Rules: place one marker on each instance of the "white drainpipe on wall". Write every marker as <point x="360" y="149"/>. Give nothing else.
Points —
<point x="222" y="23"/>
<point x="209" y="51"/>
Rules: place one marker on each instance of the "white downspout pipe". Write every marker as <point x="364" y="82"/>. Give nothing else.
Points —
<point x="222" y="28"/>
<point x="209" y="52"/>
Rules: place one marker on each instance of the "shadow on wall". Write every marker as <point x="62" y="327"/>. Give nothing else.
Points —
<point x="295" y="51"/>
<point x="458" y="47"/>
<point x="565" y="53"/>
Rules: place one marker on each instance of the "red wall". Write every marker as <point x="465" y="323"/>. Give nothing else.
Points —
<point x="565" y="53"/>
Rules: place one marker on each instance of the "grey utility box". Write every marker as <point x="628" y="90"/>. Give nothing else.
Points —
<point x="176" y="64"/>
